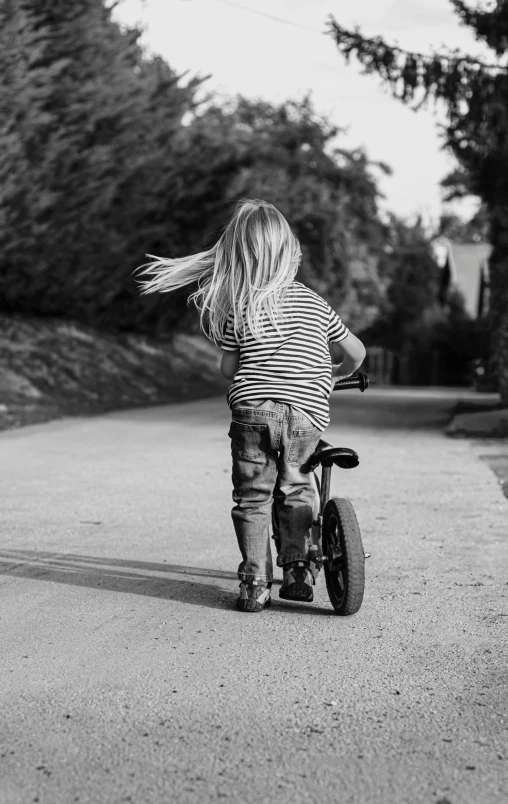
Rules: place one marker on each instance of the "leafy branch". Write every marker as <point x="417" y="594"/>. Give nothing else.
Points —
<point x="416" y="77"/>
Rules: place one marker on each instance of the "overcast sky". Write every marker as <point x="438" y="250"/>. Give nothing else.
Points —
<point x="246" y="49"/>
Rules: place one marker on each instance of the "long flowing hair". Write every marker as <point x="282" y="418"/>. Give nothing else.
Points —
<point x="243" y="278"/>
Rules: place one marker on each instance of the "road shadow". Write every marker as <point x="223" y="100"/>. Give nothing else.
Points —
<point x="202" y="587"/>
<point x="123" y="575"/>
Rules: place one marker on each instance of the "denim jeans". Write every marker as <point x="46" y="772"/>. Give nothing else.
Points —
<point x="270" y="442"/>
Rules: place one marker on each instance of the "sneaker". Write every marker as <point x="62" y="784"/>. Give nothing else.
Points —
<point x="254" y="596"/>
<point x="297" y="582"/>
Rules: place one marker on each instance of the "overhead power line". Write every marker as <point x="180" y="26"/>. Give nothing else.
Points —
<point x="272" y="17"/>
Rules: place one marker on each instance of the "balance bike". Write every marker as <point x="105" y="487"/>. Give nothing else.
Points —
<point x="336" y="539"/>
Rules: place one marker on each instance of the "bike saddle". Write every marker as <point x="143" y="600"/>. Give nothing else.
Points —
<point x="340" y="456"/>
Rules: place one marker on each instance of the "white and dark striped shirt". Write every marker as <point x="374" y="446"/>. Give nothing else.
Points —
<point x="293" y="366"/>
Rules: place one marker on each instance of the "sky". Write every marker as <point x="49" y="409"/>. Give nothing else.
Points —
<point x="277" y="49"/>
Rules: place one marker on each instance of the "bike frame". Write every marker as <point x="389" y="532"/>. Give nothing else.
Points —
<point x="323" y="486"/>
<point x="324" y="483"/>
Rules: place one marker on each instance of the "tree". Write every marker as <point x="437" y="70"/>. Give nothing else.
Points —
<point x="88" y="134"/>
<point x="105" y="155"/>
<point x="474" y="96"/>
<point x="288" y="155"/>
<point x="474" y="230"/>
<point x="435" y="339"/>
<point x="457" y="185"/>
<point x="410" y="307"/>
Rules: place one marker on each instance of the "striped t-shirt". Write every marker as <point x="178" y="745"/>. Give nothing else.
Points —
<point x="293" y="366"/>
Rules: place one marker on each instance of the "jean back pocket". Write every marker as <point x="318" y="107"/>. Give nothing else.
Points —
<point x="249" y="441"/>
<point x="303" y="443"/>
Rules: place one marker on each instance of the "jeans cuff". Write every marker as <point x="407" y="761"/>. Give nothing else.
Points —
<point x="283" y="560"/>
<point x="244" y="576"/>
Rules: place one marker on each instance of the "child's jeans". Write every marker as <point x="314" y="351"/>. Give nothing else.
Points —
<point x="270" y="441"/>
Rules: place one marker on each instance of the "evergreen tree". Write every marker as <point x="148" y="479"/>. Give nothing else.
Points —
<point x="88" y="130"/>
<point x="474" y="95"/>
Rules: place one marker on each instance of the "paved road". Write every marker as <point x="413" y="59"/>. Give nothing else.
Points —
<point x="128" y="676"/>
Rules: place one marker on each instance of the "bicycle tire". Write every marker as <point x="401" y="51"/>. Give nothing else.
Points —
<point x="345" y="558"/>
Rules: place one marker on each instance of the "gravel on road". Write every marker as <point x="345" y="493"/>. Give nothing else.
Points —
<point x="127" y="675"/>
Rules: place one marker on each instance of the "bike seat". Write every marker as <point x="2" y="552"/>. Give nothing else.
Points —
<point x="340" y="456"/>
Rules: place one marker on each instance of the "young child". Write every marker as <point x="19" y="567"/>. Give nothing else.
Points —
<point x="278" y="339"/>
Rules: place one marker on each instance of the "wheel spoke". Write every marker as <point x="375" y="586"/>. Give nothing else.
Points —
<point x="334" y="551"/>
<point x="335" y="558"/>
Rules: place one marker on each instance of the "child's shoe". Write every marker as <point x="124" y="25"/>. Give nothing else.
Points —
<point x="297" y="582"/>
<point x="254" y="596"/>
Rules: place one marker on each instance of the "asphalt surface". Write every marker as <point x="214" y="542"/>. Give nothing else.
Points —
<point x="127" y="675"/>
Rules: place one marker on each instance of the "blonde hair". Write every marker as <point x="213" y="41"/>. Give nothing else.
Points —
<point x="244" y="276"/>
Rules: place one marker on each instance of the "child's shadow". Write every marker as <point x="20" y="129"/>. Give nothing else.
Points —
<point x="201" y="587"/>
<point x="122" y="575"/>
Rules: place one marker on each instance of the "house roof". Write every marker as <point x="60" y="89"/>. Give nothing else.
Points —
<point x="467" y="262"/>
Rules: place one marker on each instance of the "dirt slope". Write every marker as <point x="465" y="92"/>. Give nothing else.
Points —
<point x="50" y="368"/>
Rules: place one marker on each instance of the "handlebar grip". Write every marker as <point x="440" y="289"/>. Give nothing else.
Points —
<point x="360" y="381"/>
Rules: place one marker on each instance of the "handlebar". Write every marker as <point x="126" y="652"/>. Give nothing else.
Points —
<point x="360" y="381"/>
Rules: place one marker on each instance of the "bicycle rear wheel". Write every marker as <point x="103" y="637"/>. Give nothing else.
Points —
<point x="344" y="556"/>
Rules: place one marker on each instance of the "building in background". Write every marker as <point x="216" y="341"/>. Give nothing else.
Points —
<point x="466" y="269"/>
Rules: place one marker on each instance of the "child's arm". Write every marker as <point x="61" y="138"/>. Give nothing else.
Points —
<point x="229" y="363"/>
<point x="347" y="356"/>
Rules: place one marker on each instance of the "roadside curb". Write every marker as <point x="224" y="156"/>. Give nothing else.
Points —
<point x="498" y="463"/>
<point x="484" y="424"/>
